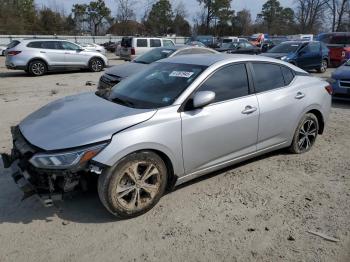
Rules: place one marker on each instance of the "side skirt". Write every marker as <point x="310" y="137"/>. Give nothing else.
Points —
<point x="216" y="167"/>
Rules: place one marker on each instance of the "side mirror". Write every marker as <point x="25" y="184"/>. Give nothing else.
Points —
<point x="203" y="98"/>
<point x="79" y="50"/>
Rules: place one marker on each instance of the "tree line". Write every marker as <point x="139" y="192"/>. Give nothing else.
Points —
<point x="161" y="17"/>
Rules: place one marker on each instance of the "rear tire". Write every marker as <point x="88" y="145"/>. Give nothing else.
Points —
<point x="305" y="134"/>
<point x="134" y="185"/>
<point x="37" y="68"/>
<point x="96" y="64"/>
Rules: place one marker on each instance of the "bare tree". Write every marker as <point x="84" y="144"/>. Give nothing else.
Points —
<point x="337" y="10"/>
<point x="310" y="14"/>
<point x="125" y="10"/>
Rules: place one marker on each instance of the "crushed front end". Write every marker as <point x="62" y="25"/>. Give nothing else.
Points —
<point x="49" y="175"/>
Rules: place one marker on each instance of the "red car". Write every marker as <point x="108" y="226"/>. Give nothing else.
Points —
<point x="339" y="46"/>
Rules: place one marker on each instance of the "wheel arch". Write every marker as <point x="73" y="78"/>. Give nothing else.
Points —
<point x="37" y="58"/>
<point x="320" y="119"/>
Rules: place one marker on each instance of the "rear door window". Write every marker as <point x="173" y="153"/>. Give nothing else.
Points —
<point x="51" y="45"/>
<point x="36" y="44"/>
<point x="155" y="43"/>
<point x="267" y="77"/>
<point x="141" y="43"/>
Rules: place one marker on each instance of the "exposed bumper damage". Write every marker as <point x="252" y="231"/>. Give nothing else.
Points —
<point x="47" y="185"/>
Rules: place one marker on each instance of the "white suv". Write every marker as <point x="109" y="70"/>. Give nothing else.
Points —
<point x="37" y="56"/>
<point x="131" y="47"/>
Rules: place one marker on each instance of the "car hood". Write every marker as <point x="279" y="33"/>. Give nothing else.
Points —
<point x="79" y="120"/>
<point x="342" y="72"/>
<point x="126" y="69"/>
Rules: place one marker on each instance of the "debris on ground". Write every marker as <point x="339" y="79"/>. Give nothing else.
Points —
<point x="324" y="236"/>
<point x="90" y="83"/>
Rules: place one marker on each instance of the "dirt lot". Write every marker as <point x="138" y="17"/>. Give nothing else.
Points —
<point x="260" y="210"/>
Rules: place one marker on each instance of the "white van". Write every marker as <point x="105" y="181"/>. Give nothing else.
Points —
<point x="131" y="47"/>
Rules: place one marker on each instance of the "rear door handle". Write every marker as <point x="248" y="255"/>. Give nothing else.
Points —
<point x="43" y="52"/>
<point x="249" y="109"/>
<point x="300" y="95"/>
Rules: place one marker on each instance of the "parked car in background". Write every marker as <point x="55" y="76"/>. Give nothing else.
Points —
<point x="110" y="46"/>
<point x="339" y="46"/>
<point x="258" y="39"/>
<point x="132" y="47"/>
<point x="195" y="43"/>
<point x="94" y="47"/>
<point x="271" y="43"/>
<point x="115" y="74"/>
<point x="306" y="55"/>
<point x="3" y="49"/>
<point x="207" y="40"/>
<point x="239" y="48"/>
<point x="179" y="119"/>
<point x="340" y="80"/>
<point x="37" y="56"/>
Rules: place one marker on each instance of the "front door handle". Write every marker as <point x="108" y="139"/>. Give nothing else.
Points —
<point x="249" y="109"/>
<point x="300" y="95"/>
<point x="43" y="52"/>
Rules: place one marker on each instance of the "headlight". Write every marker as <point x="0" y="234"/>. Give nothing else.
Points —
<point x="284" y="58"/>
<point x="67" y="159"/>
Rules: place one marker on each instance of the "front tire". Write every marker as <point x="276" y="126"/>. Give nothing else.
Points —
<point x="134" y="185"/>
<point x="305" y="134"/>
<point x="96" y="64"/>
<point x="37" y="68"/>
<point x="323" y="68"/>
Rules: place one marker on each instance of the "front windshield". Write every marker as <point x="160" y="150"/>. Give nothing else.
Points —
<point x="285" y="48"/>
<point x="154" y="55"/>
<point x="157" y="86"/>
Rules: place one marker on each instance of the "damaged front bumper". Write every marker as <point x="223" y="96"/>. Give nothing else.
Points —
<point x="49" y="185"/>
<point x="22" y="179"/>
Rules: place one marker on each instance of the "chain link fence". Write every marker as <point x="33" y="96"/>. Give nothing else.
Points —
<point x="6" y="39"/>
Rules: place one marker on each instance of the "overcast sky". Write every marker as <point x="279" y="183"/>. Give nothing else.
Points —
<point x="192" y="6"/>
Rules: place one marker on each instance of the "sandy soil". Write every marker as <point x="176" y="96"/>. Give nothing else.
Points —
<point x="260" y="210"/>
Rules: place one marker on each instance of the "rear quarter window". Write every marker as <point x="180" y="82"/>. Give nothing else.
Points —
<point x="288" y="75"/>
<point x="13" y="44"/>
<point x="262" y="77"/>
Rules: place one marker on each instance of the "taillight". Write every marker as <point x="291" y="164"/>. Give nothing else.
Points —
<point x="133" y="51"/>
<point x="12" y="53"/>
<point x="329" y="89"/>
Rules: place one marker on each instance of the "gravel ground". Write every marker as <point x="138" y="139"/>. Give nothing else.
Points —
<point x="260" y="210"/>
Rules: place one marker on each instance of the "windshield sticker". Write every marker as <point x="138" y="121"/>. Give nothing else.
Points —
<point x="181" y="74"/>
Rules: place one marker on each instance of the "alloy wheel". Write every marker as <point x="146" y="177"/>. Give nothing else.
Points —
<point x="96" y="65"/>
<point x="138" y="186"/>
<point x="307" y="135"/>
<point x="38" y="68"/>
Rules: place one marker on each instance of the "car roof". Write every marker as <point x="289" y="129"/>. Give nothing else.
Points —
<point x="210" y="59"/>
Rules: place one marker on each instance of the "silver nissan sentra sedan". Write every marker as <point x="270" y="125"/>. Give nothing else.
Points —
<point x="179" y="119"/>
